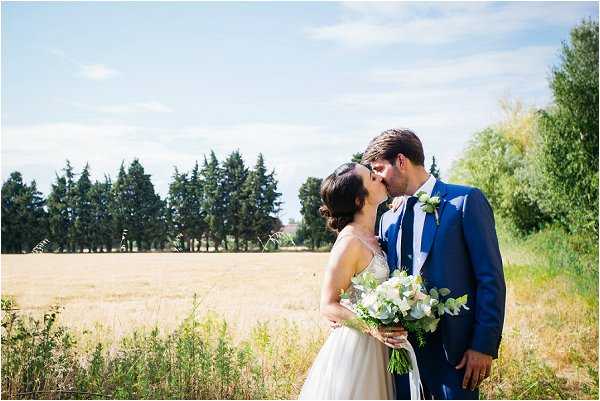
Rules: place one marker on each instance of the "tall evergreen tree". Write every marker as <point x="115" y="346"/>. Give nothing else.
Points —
<point x="121" y="204"/>
<point x="24" y="220"/>
<point x="71" y="205"/>
<point x="58" y="214"/>
<point x="84" y="214"/>
<point x="234" y="177"/>
<point x="179" y="204"/>
<point x="212" y="177"/>
<point x="261" y="202"/>
<point x="161" y="229"/>
<point x="102" y="226"/>
<point x="144" y="206"/>
<point x="197" y="221"/>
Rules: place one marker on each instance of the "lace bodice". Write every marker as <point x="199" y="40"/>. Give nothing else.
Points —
<point x="378" y="267"/>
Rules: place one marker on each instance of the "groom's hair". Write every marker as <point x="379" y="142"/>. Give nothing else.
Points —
<point x="389" y="143"/>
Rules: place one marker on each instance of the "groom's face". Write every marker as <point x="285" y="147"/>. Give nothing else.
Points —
<point x="392" y="175"/>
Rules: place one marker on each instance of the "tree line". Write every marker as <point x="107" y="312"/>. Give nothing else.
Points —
<point x="214" y="206"/>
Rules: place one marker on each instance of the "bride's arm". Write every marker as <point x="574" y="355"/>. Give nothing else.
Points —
<point x="345" y="258"/>
<point x="343" y="262"/>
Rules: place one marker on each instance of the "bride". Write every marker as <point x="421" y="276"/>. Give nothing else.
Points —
<point x="352" y="364"/>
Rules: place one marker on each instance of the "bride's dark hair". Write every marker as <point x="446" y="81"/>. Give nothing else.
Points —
<point x="343" y="194"/>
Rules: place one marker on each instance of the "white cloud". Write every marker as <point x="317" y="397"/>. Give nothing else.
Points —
<point x="97" y="72"/>
<point x="513" y="67"/>
<point x="140" y="107"/>
<point x="152" y="106"/>
<point x="378" y="24"/>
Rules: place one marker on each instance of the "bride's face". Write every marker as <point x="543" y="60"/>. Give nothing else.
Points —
<point x="374" y="185"/>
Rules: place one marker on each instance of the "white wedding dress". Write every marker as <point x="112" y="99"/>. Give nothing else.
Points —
<point x="352" y="365"/>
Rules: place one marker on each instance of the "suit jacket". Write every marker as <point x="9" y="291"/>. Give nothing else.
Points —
<point x="462" y="255"/>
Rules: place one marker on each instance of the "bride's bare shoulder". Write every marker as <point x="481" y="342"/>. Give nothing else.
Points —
<point x="348" y="250"/>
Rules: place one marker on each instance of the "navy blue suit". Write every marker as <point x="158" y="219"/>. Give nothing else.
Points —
<point x="463" y="256"/>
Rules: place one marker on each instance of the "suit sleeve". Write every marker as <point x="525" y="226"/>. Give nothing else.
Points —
<point x="382" y="233"/>
<point x="482" y="243"/>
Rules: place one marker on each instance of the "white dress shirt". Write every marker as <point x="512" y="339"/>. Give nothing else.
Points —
<point x="418" y="223"/>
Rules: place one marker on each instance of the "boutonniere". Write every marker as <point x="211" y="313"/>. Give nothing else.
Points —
<point x="429" y="204"/>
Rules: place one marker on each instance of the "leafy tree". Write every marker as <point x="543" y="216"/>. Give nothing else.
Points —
<point x="569" y="133"/>
<point x="312" y="229"/>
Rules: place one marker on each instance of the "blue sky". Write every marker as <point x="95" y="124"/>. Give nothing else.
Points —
<point x="306" y="84"/>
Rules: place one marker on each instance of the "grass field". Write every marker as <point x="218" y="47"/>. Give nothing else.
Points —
<point x="549" y="348"/>
<point x="117" y="292"/>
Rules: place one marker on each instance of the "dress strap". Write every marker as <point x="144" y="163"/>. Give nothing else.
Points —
<point x="368" y="245"/>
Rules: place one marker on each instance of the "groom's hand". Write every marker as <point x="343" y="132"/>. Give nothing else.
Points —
<point x="478" y="368"/>
<point x="397" y="202"/>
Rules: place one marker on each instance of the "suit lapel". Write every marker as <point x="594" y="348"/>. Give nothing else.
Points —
<point x="430" y="226"/>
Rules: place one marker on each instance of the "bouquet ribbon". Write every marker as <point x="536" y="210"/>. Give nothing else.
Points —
<point x="414" y="379"/>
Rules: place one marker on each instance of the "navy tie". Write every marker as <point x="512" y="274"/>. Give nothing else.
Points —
<point x="406" y="256"/>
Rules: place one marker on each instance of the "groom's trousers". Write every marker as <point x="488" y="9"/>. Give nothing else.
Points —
<point x="440" y="379"/>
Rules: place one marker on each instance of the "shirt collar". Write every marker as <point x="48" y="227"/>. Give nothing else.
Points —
<point x="427" y="187"/>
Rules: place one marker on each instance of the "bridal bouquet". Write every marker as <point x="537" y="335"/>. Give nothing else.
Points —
<point x="402" y="300"/>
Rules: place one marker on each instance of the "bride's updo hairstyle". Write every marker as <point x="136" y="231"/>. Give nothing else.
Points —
<point x="343" y="194"/>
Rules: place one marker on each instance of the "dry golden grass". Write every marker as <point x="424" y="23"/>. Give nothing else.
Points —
<point x="550" y="334"/>
<point x="113" y="293"/>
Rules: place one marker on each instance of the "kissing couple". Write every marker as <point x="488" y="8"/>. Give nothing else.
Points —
<point x="456" y="248"/>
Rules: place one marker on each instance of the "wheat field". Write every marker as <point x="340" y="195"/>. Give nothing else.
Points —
<point x="114" y="293"/>
<point x="107" y="296"/>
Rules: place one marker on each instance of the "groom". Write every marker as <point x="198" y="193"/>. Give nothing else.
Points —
<point x="457" y="250"/>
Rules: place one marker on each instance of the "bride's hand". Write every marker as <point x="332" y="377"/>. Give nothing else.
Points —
<point x="397" y="202"/>
<point x="393" y="337"/>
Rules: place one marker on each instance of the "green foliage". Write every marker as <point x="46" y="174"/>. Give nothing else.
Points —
<point x="500" y="161"/>
<point x="540" y="168"/>
<point x="569" y="133"/>
<point x="212" y="177"/>
<point x="58" y="214"/>
<point x="261" y="201"/>
<point x="235" y="176"/>
<point x="24" y="220"/>
<point x="357" y="157"/>
<point x="83" y="223"/>
<point x="198" y="360"/>
<point x="101" y="226"/>
<point x="434" y="170"/>
<point x="312" y="229"/>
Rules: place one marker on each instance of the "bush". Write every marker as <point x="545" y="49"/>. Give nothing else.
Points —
<point x="199" y="360"/>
